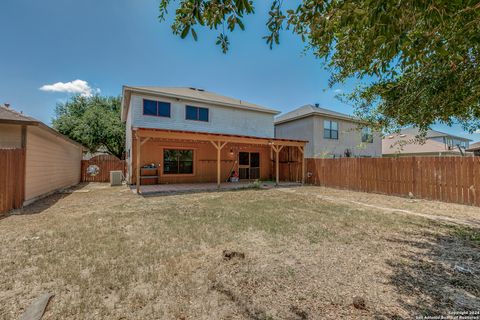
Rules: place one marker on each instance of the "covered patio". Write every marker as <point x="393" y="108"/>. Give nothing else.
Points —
<point x="185" y="158"/>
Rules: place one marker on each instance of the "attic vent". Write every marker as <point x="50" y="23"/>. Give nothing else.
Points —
<point x="196" y="89"/>
<point x="317" y="105"/>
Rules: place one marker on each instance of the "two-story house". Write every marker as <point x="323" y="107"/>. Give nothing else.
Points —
<point x="329" y="134"/>
<point x="436" y="143"/>
<point x="184" y="135"/>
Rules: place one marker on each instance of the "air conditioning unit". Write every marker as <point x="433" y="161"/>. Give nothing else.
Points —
<point x="116" y="178"/>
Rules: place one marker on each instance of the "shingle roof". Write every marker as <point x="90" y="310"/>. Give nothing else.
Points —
<point x="431" y="133"/>
<point x="391" y="145"/>
<point x="7" y="114"/>
<point x="474" y="146"/>
<point x="198" y="95"/>
<point x="308" y="110"/>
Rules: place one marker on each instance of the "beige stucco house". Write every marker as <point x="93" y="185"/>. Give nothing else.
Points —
<point x="330" y="134"/>
<point x="51" y="161"/>
<point x="475" y="148"/>
<point x="436" y="143"/>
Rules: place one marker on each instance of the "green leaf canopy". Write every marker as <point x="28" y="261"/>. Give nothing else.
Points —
<point x="94" y="122"/>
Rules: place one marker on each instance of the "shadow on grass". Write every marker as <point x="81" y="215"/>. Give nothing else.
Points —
<point x="46" y="202"/>
<point x="439" y="273"/>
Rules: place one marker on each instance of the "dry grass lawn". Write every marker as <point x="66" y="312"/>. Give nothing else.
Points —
<point x="108" y="254"/>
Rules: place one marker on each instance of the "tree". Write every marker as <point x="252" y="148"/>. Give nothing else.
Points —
<point x="416" y="61"/>
<point x="94" y="122"/>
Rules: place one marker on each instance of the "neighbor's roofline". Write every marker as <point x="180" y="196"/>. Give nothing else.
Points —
<point x="318" y="113"/>
<point x="126" y="103"/>
<point x="37" y="123"/>
<point x="437" y="134"/>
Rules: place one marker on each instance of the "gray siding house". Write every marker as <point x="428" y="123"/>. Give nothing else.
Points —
<point x="330" y="134"/>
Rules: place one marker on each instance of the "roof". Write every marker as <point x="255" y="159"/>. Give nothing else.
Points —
<point x="218" y="134"/>
<point x="311" y="110"/>
<point x="8" y="115"/>
<point x="11" y="116"/>
<point x="411" y="145"/>
<point x="431" y="133"/>
<point x="191" y="94"/>
<point x="474" y="146"/>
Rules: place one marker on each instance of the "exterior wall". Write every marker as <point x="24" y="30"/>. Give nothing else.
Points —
<point x="424" y="154"/>
<point x="224" y="120"/>
<point x="301" y="129"/>
<point x="51" y="163"/>
<point x="349" y="137"/>
<point x="10" y="136"/>
<point x="455" y="141"/>
<point x="205" y="160"/>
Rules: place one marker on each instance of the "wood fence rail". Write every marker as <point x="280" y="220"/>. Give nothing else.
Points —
<point x="105" y="164"/>
<point x="448" y="179"/>
<point x="12" y="179"/>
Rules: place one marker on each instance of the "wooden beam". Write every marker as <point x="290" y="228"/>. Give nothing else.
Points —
<point x="139" y="144"/>
<point x="219" y="167"/>
<point x="145" y="140"/>
<point x="215" y="138"/>
<point x="302" y="151"/>
<point x="219" y="146"/>
<point x="277" y="150"/>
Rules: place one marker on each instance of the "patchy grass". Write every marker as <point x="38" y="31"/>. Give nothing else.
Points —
<point x="107" y="253"/>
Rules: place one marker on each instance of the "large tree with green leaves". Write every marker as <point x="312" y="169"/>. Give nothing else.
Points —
<point x="417" y="62"/>
<point x="92" y="121"/>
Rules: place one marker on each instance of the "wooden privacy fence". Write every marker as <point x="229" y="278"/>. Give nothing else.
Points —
<point x="12" y="179"/>
<point x="104" y="164"/>
<point x="449" y="179"/>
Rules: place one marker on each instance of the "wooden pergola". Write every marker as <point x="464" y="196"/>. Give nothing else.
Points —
<point x="142" y="135"/>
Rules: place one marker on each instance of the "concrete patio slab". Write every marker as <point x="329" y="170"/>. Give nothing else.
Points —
<point x="205" y="187"/>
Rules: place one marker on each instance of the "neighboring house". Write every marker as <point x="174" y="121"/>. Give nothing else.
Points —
<point x="436" y="143"/>
<point x="51" y="161"/>
<point x="330" y="134"/>
<point x="475" y="148"/>
<point x="191" y="135"/>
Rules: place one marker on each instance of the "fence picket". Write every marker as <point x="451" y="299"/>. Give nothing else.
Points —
<point x="449" y="179"/>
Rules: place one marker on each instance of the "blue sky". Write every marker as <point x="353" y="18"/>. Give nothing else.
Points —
<point x="111" y="43"/>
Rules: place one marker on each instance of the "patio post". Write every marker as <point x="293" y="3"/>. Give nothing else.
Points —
<point x="302" y="151"/>
<point x="219" y="146"/>
<point x="138" y="164"/>
<point x="277" y="167"/>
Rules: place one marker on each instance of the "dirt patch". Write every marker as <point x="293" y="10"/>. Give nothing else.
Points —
<point x="107" y="253"/>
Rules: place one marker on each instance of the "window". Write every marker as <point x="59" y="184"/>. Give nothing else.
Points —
<point x="156" y="108"/>
<point x="330" y="129"/>
<point x="176" y="161"/>
<point x="367" y="135"/>
<point x="196" y="113"/>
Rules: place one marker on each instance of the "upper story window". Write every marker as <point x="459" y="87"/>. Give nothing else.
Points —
<point x="196" y="113"/>
<point x="367" y="135"/>
<point x="330" y="129"/>
<point x="156" y="108"/>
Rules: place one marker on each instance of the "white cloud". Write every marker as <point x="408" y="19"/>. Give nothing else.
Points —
<point x="337" y="91"/>
<point x="76" y="86"/>
<point x="477" y="131"/>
